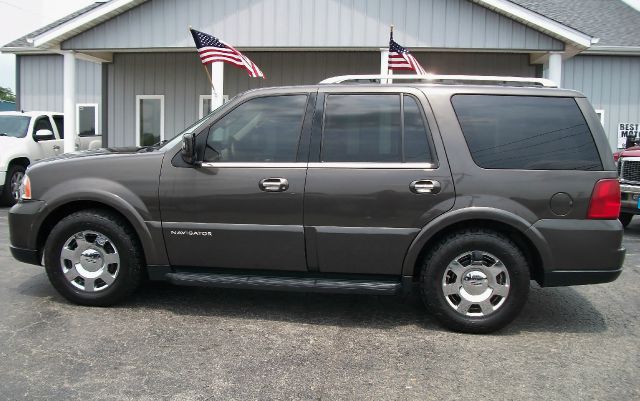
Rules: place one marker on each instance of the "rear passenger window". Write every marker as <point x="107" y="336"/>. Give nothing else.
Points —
<point x="368" y="128"/>
<point x="416" y="143"/>
<point x="526" y="132"/>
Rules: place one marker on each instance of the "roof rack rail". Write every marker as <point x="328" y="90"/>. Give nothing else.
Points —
<point x="432" y="78"/>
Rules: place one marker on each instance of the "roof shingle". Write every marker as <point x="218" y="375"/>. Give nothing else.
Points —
<point x="613" y="21"/>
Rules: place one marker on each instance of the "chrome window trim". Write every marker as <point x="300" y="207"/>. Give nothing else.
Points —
<point x="379" y="165"/>
<point x="253" y="165"/>
<point x="343" y="165"/>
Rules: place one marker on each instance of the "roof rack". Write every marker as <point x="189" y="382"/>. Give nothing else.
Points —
<point x="450" y="79"/>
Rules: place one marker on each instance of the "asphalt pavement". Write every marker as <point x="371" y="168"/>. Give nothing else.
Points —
<point x="178" y="343"/>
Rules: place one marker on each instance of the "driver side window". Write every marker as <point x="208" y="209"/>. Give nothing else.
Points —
<point x="265" y="129"/>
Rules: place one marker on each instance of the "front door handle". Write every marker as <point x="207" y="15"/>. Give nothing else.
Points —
<point x="274" y="184"/>
<point x="56" y="147"/>
<point x="425" y="187"/>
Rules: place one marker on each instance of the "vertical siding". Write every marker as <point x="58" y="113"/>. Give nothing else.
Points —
<point x="177" y="76"/>
<point x="180" y="78"/>
<point x="612" y="83"/>
<point x="41" y="82"/>
<point x="319" y="23"/>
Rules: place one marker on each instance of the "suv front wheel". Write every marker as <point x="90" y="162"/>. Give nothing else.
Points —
<point x="93" y="258"/>
<point x="475" y="281"/>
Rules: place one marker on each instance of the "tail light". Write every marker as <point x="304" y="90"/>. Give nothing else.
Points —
<point x="605" y="200"/>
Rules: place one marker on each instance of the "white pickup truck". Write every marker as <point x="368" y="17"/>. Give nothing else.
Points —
<point x="26" y="137"/>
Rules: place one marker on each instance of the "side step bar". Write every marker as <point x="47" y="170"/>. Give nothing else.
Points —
<point x="302" y="284"/>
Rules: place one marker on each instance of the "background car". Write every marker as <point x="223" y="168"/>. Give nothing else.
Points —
<point x="24" y="138"/>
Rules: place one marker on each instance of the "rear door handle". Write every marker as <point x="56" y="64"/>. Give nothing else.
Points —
<point x="274" y="184"/>
<point x="56" y="147"/>
<point x="425" y="187"/>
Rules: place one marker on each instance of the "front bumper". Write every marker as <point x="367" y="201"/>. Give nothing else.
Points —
<point x="581" y="251"/>
<point x="628" y="203"/>
<point x="23" y="231"/>
<point x="31" y="256"/>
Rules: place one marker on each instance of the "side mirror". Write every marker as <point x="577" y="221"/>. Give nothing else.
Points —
<point x="43" y="135"/>
<point x="189" y="148"/>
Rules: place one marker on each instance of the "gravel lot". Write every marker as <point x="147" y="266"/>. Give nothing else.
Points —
<point x="178" y="343"/>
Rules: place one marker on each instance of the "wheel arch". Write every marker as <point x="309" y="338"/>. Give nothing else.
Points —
<point x="19" y="160"/>
<point x="516" y="228"/>
<point x="127" y="213"/>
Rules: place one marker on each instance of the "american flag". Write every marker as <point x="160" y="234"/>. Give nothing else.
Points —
<point x="212" y="49"/>
<point x="401" y="59"/>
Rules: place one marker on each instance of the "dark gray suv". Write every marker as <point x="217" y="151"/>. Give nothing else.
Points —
<point x="463" y="191"/>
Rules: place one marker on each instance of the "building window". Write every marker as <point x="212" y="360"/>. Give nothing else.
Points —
<point x="149" y="119"/>
<point x="205" y="104"/>
<point x="600" y="114"/>
<point x="87" y="119"/>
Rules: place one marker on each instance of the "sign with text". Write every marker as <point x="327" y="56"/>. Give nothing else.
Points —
<point x="627" y="130"/>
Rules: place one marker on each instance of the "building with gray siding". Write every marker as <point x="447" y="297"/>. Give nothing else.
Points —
<point x="134" y="62"/>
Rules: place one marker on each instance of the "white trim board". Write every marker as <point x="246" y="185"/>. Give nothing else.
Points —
<point x="143" y="97"/>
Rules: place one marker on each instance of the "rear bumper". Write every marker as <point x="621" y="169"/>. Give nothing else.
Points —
<point x="580" y="251"/>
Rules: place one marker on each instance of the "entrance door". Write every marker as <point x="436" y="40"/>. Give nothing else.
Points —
<point x="242" y="208"/>
<point x="376" y="181"/>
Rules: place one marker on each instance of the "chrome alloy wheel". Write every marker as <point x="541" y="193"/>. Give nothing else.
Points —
<point x="90" y="261"/>
<point x="14" y="185"/>
<point x="475" y="284"/>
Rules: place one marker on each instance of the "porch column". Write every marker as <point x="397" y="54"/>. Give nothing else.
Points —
<point x="217" y="90"/>
<point x="554" y="67"/>
<point x="384" y="64"/>
<point x="69" y="93"/>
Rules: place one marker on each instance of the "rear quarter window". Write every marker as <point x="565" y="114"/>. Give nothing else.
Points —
<point x="526" y="132"/>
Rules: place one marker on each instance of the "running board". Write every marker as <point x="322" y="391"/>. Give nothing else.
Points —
<point x="301" y="284"/>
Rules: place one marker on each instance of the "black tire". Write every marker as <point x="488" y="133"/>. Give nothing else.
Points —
<point x="458" y="243"/>
<point x="125" y="241"/>
<point x="7" y="198"/>
<point x="625" y="219"/>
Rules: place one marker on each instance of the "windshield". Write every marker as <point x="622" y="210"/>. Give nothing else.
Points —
<point x="15" y="126"/>
<point x="193" y="127"/>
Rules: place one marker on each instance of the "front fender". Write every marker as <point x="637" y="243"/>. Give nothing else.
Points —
<point x="113" y="195"/>
<point x="7" y="158"/>
<point x="468" y="214"/>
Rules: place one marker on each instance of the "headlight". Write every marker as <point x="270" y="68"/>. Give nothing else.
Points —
<point x="25" y="188"/>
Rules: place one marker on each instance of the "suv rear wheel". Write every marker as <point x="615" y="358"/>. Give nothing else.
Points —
<point x="93" y="258"/>
<point x="475" y="281"/>
<point x="13" y="180"/>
